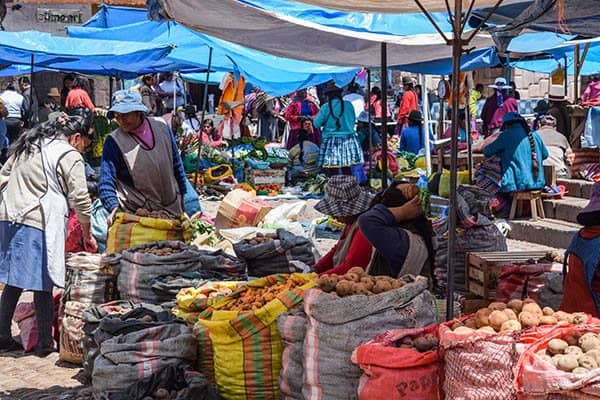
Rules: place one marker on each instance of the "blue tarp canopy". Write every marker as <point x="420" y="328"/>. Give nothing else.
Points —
<point x="309" y="35"/>
<point x="477" y="59"/>
<point x="555" y="56"/>
<point x="82" y="55"/>
<point x="537" y="42"/>
<point x="112" y="16"/>
<point x="275" y="75"/>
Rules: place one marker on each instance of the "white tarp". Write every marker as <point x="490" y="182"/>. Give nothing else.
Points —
<point x="295" y="38"/>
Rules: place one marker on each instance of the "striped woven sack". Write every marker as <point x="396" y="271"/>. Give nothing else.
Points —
<point x="129" y="230"/>
<point x="240" y="352"/>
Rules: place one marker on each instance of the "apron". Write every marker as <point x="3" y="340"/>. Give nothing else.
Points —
<point x="155" y="187"/>
<point x="54" y="207"/>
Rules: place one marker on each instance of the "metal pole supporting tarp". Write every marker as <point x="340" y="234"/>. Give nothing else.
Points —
<point x="456" y="54"/>
<point x="370" y="123"/>
<point x="425" y="97"/>
<point x="28" y="122"/>
<point x="468" y="131"/>
<point x="566" y="82"/>
<point x="384" y="106"/>
<point x="110" y="90"/>
<point x="204" y="98"/>
<point x="576" y="73"/>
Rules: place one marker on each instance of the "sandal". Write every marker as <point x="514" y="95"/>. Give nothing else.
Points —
<point x="9" y="344"/>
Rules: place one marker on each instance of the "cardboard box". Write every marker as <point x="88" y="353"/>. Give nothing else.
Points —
<point x="239" y="208"/>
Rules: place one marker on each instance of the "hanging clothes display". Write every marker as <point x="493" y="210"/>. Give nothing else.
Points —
<point x="231" y="105"/>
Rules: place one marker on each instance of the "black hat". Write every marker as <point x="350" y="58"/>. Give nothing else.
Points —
<point x="542" y="107"/>
<point x="415" y="115"/>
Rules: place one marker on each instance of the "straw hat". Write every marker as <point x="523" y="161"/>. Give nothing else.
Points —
<point x="407" y="80"/>
<point x="557" y="93"/>
<point x="53" y="92"/>
<point x="344" y="197"/>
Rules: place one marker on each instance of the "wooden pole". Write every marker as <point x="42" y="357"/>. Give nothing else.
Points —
<point x="204" y="99"/>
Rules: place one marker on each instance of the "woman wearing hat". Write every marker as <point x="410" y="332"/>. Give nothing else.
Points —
<point x="44" y="174"/>
<point x="540" y="110"/>
<point x="300" y="108"/>
<point x="582" y="278"/>
<point x="345" y="201"/>
<point x="558" y="109"/>
<point x="399" y="231"/>
<point x="497" y="106"/>
<point x="141" y="166"/>
<point x="521" y="152"/>
<point x="339" y="148"/>
<point x="409" y="102"/>
<point x="150" y="96"/>
<point x="412" y="138"/>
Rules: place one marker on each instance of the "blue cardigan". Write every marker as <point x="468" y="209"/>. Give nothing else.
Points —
<point x="514" y="150"/>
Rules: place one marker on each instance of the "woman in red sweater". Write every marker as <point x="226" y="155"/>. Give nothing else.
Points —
<point x="345" y="201"/>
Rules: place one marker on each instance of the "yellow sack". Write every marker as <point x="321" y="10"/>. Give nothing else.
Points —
<point x="130" y="230"/>
<point x="240" y="352"/>
<point x="444" y="189"/>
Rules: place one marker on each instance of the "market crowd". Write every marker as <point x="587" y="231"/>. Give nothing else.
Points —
<point x="49" y="192"/>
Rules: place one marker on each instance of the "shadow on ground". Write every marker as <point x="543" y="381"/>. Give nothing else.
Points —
<point x="51" y="393"/>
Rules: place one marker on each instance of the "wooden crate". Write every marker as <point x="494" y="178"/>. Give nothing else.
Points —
<point x="484" y="268"/>
<point x="265" y="176"/>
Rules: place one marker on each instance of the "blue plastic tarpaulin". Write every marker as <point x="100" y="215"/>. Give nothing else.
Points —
<point x="112" y="16"/>
<point x="537" y="41"/>
<point x="77" y="54"/>
<point x="274" y="75"/>
<point x="478" y="59"/>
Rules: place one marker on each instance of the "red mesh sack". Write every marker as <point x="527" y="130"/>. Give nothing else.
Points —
<point x="395" y="373"/>
<point x="538" y="379"/>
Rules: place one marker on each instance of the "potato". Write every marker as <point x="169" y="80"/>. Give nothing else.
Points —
<point x="471" y="323"/>
<point x="532" y="308"/>
<point x="595" y="353"/>
<point x="368" y="282"/>
<point x="359" y="288"/>
<point x="358" y="271"/>
<point x="529" y="301"/>
<point x="487" y="329"/>
<point x="557" y="346"/>
<point x="496" y="319"/>
<point x="580" y="371"/>
<point x="576" y="350"/>
<point x="588" y="362"/>
<point x="464" y="329"/>
<point x="545" y="357"/>
<point x="579" y="318"/>
<point x="548" y="320"/>
<point x="350" y="276"/>
<point x="528" y="319"/>
<point x="161" y="393"/>
<point x="567" y="363"/>
<point x="381" y="286"/>
<point x="498" y="305"/>
<point x="325" y="283"/>
<point x="456" y="324"/>
<point x="563" y="316"/>
<point x="572" y="338"/>
<point x="398" y="283"/>
<point x="482" y="317"/>
<point x="556" y="358"/>
<point x="423" y="344"/>
<point x="515" y="305"/>
<point x="548" y="311"/>
<point x="510" y="326"/>
<point x="343" y="288"/>
<point x="510" y="314"/>
<point x="589" y="341"/>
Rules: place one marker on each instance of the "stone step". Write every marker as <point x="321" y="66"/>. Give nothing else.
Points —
<point x="576" y="187"/>
<point x="549" y="232"/>
<point x="565" y="209"/>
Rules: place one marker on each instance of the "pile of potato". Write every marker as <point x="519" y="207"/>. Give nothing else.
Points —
<point x="261" y="238"/>
<point x="160" y="251"/>
<point x="356" y="281"/>
<point x="514" y="316"/>
<point x="422" y="343"/>
<point x="142" y="212"/>
<point x="576" y="353"/>
<point x="252" y="298"/>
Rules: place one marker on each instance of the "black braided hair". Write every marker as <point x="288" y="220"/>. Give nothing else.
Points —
<point x="336" y="95"/>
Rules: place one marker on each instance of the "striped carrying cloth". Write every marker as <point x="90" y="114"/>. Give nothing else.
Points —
<point x="241" y="352"/>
